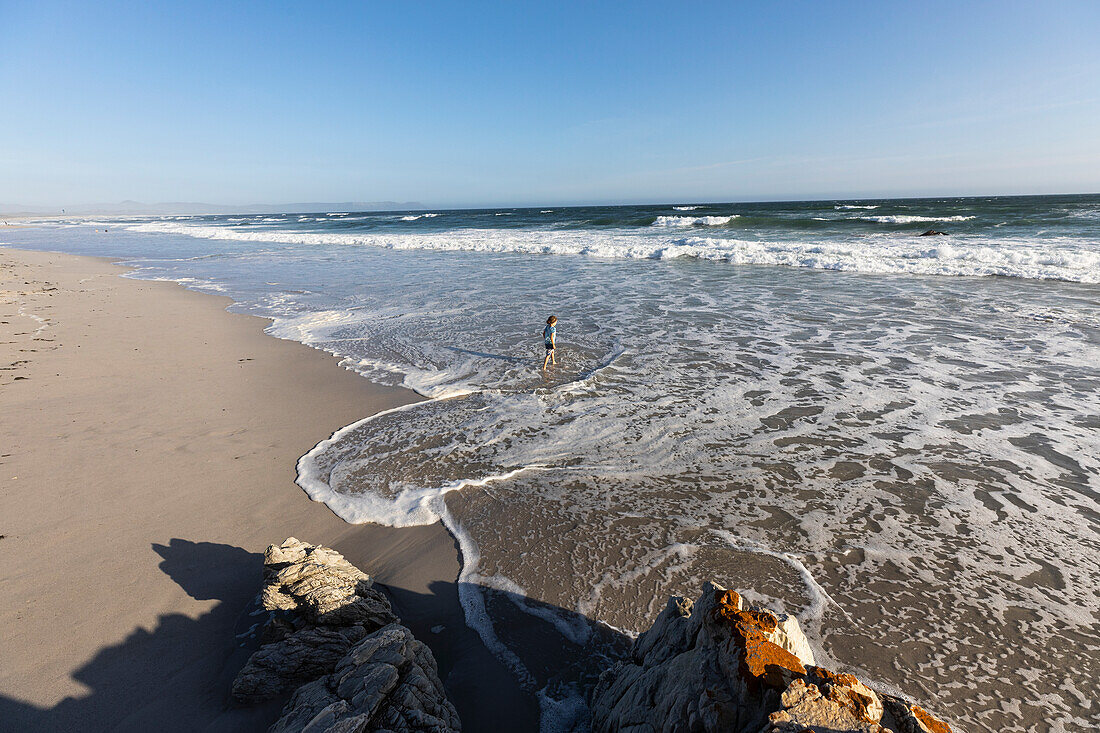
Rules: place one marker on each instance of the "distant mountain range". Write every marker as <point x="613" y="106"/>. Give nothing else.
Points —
<point x="136" y="208"/>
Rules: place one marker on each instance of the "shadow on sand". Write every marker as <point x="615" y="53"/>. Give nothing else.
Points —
<point x="177" y="676"/>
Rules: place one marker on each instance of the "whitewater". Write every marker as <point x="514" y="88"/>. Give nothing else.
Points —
<point x="1031" y="255"/>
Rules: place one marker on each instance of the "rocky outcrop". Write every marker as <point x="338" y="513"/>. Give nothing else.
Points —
<point x="717" y="665"/>
<point x="713" y="665"/>
<point x="933" y="233"/>
<point x="335" y="638"/>
<point x="388" y="682"/>
<point x="321" y="606"/>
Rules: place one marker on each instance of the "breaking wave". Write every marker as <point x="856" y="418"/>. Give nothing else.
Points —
<point x="906" y="219"/>
<point x="1036" y="259"/>
<point x="693" y="221"/>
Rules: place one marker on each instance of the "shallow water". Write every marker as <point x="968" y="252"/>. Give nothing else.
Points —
<point x="853" y="428"/>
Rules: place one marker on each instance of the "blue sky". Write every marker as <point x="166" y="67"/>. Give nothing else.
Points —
<point x="467" y="104"/>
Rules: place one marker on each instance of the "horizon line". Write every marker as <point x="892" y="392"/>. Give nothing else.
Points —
<point x="228" y="209"/>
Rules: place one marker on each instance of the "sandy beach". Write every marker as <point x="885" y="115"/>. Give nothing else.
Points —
<point x="149" y="441"/>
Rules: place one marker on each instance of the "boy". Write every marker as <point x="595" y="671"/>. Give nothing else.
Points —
<point x="548" y="334"/>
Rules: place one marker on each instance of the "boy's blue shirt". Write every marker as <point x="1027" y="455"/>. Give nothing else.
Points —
<point x="548" y="333"/>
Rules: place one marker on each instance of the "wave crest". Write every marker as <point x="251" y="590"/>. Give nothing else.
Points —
<point x="1049" y="259"/>
<point x="907" y="219"/>
<point x="693" y="221"/>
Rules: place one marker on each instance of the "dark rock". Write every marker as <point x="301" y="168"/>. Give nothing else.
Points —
<point x="333" y="631"/>
<point x="715" y="665"/>
<point x="322" y="606"/>
<point x="387" y="682"/>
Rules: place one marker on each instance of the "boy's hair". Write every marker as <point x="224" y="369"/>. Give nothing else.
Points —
<point x="552" y="320"/>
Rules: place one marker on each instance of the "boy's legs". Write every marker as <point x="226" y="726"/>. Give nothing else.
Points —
<point x="546" y="361"/>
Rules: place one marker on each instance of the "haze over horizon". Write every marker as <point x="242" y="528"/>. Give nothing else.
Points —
<point x="499" y="105"/>
<point x="137" y="208"/>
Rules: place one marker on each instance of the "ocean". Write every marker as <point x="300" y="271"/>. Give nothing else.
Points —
<point x="895" y="437"/>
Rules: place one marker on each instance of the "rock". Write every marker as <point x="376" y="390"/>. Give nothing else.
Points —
<point x="910" y="718"/>
<point x="715" y="665"/>
<point x="709" y="666"/>
<point x="847" y="691"/>
<point x="933" y="233"/>
<point x="279" y="667"/>
<point x="826" y="700"/>
<point x="788" y="635"/>
<point x="323" y="605"/>
<point x="387" y="682"/>
<point x="806" y="708"/>
<point x="321" y="585"/>
<point x="331" y="630"/>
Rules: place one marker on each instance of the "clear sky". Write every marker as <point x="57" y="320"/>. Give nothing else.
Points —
<point x="472" y="103"/>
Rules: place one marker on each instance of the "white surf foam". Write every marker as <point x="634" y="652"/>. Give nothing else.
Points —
<point x="854" y="206"/>
<point x="1050" y="258"/>
<point x="191" y="283"/>
<point x="410" y="508"/>
<point x="418" y="507"/>
<point x="819" y="598"/>
<point x="692" y="221"/>
<point x="907" y="219"/>
<point x="686" y="208"/>
<point x="414" y="217"/>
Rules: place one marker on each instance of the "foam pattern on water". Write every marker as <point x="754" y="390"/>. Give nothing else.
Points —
<point x="909" y="466"/>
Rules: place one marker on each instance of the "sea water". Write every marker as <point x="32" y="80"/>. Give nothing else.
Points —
<point x="895" y="437"/>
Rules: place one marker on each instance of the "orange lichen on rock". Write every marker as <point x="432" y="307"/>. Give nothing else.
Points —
<point x="761" y="660"/>
<point x="728" y="605"/>
<point x="933" y="724"/>
<point x="762" y="620"/>
<point x="721" y="665"/>
<point x="771" y="664"/>
<point x="835" y="678"/>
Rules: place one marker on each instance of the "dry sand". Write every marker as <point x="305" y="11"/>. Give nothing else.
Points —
<point x="147" y="449"/>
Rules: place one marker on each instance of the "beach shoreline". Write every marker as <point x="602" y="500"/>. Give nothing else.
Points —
<point x="150" y="447"/>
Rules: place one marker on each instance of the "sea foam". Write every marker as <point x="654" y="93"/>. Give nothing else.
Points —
<point x="1049" y="258"/>
<point x="692" y="221"/>
<point x="907" y="219"/>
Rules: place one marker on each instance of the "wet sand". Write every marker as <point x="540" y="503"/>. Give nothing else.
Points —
<point x="147" y="450"/>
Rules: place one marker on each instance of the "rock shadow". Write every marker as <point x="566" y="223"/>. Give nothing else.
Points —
<point x="548" y="673"/>
<point x="174" y="677"/>
<point x="178" y="675"/>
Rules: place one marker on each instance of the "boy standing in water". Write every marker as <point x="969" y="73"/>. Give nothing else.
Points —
<point x="548" y="334"/>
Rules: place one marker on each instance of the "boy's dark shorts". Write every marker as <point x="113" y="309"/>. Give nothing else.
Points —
<point x="549" y="347"/>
